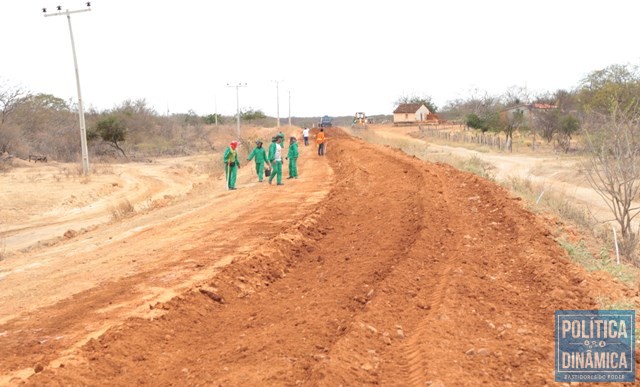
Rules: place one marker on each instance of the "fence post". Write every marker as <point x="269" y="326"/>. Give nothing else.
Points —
<point x="615" y="239"/>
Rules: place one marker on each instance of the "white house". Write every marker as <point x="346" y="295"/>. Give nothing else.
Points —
<point x="410" y="113"/>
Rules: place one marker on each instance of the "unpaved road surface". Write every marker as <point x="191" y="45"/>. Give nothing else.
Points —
<point x="373" y="268"/>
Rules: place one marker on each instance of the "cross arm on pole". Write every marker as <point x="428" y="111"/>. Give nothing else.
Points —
<point x="67" y="12"/>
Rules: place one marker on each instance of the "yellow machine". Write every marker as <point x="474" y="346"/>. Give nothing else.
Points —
<point x="360" y="121"/>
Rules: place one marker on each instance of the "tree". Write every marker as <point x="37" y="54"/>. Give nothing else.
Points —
<point x="616" y="87"/>
<point x="213" y="118"/>
<point x="512" y="120"/>
<point x="426" y="101"/>
<point x="548" y="121"/>
<point x="112" y="131"/>
<point x="568" y="125"/>
<point x="250" y="114"/>
<point x="192" y="118"/>
<point x="475" y="122"/>
<point x="516" y="95"/>
<point x="613" y="169"/>
<point x="10" y="97"/>
<point x="489" y="121"/>
<point x="48" y="101"/>
<point x="480" y="103"/>
<point x="611" y="106"/>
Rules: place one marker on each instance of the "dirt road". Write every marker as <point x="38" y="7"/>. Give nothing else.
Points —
<point x="374" y="268"/>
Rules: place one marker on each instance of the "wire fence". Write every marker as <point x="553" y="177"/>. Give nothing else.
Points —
<point x="460" y="133"/>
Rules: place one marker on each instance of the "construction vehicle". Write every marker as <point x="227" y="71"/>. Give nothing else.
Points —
<point x="325" y="122"/>
<point x="360" y="121"/>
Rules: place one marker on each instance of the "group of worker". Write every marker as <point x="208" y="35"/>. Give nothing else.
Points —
<point x="272" y="159"/>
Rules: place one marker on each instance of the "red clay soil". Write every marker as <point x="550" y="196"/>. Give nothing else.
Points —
<point x="407" y="273"/>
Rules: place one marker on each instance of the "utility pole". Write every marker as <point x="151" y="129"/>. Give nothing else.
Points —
<point x="278" y="103"/>
<point x="289" y="107"/>
<point x="83" y="129"/>
<point x="237" y="86"/>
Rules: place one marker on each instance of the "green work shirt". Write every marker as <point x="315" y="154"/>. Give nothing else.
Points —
<point x="272" y="151"/>
<point x="231" y="156"/>
<point x="293" y="151"/>
<point x="259" y="153"/>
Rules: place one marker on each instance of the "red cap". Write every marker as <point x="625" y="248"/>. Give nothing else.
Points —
<point x="234" y="144"/>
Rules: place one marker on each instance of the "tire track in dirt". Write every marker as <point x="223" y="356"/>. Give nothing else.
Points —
<point x="415" y="360"/>
<point x="406" y="274"/>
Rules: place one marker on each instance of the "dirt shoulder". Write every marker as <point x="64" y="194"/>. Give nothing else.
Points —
<point x="404" y="273"/>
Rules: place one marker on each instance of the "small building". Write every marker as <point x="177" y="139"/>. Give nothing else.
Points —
<point x="530" y="112"/>
<point x="411" y="113"/>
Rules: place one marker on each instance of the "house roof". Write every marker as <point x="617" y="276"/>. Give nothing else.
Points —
<point x="543" y="106"/>
<point x="407" y="108"/>
<point x="536" y="106"/>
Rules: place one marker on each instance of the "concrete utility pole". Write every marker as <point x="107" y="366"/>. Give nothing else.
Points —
<point x="83" y="129"/>
<point x="237" y="86"/>
<point x="278" y="103"/>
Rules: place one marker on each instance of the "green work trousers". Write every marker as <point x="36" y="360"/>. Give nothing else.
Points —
<point x="293" y="167"/>
<point x="260" y="170"/>
<point x="276" y="171"/>
<point x="230" y="174"/>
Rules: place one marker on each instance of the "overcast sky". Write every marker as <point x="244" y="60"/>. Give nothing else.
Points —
<point x="335" y="57"/>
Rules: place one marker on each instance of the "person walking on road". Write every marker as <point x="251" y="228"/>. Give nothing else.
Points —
<point x="261" y="158"/>
<point x="321" y="142"/>
<point x="292" y="156"/>
<point x="232" y="163"/>
<point x="305" y="135"/>
<point x="275" y="159"/>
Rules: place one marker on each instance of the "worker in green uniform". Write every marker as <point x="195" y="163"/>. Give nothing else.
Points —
<point x="272" y="150"/>
<point x="282" y="142"/>
<point x="275" y="159"/>
<point x="231" y="164"/>
<point x="261" y="158"/>
<point x="292" y="155"/>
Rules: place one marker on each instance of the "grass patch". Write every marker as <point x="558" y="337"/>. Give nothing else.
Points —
<point x="607" y="303"/>
<point x="122" y="210"/>
<point x="581" y="255"/>
<point x="540" y="197"/>
<point x="479" y="167"/>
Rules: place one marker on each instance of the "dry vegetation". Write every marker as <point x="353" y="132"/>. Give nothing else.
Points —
<point x="42" y="124"/>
